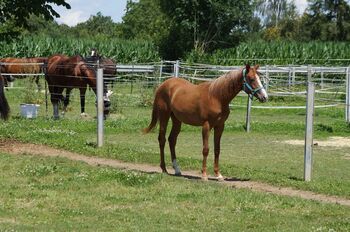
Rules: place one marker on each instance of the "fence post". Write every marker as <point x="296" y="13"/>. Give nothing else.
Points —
<point x="160" y="71"/>
<point x="176" y="68"/>
<point x="99" y="107"/>
<point x="347" y="101"/>
<point x="289" y="76"/>
<point x="309" y="74"/>
<point x="267" y="78"/>
<point x="249" y="108"/>
<point x="322" y="78"/>
<point x="309" y="131"/>
<point x="293" y="77"/>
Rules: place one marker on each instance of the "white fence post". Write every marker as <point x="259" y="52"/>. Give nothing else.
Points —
<point x="267" y="78"/>
<point x="249" y="108"/>
<point x="309" y="74"/>
<point x="100" y="106"/>
<point x="309" y="131"/>
<point x="347" y="101"/>
<point x="176" y="68"/>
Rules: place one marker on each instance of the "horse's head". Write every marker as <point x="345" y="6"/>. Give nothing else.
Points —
<point x="91" y="77"/>
<point x="252" y="83"/>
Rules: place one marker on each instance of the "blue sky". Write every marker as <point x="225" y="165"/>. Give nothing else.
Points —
<point x="82" y="9"/>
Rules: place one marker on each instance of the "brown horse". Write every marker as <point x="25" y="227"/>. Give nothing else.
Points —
<point x="65" y="72"/>
<point x="205" y="105"/>
<point x="22" y="66"/>
<point x="108" y="65"/>
<point x="4" y="106"/>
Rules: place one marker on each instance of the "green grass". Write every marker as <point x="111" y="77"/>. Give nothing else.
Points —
<point x="260" y="155"/>
<point x="55" y="194"/>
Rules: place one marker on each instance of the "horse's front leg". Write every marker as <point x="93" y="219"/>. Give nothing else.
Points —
<point x="205" y="138"/>
<point x="217" y="137"/>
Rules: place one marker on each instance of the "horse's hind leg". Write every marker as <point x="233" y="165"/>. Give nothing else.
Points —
<point x="163" y="122"/>
<point x="66" y="100"/>
<point x="205" y="152"/>
<point x="82" y="101"/>
<point x="175" y="130"/>
<point x="217" y="137"/>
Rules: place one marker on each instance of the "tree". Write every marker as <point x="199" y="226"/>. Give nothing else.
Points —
<point x="97" y="25"/>
<point x="15" y="13"/>
<point x="327" y="20"/>
<point x="145" y="20"/>
<point x="204" y="25"/>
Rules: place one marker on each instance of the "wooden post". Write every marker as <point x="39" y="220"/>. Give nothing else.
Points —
<point x="309" y="131"/>
<point x="248" y="115"/>
<point x="347" y="100"/>
<point x="100" y="107"/>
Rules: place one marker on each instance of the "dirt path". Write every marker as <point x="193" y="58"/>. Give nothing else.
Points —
<point x="18" y="148"/>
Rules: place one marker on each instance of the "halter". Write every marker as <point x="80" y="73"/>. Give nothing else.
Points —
<point x="248" y="86"/>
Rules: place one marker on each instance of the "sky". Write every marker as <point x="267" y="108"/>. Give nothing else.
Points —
<point x="81" y="10"/>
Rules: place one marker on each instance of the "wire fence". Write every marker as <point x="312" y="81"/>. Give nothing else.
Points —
<point x="134" y="84"/>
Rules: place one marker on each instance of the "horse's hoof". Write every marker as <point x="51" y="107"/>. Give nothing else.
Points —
<point x="220" y="178"/>
<point x="177" y="173"/>
<point x="205" y="178"/>
<point x="83" y="115"/>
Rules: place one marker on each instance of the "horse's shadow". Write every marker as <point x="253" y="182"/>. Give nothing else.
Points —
<point x="193" y="177"/>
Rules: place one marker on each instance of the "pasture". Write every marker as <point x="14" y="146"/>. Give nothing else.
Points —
<point x="58" y="192"/>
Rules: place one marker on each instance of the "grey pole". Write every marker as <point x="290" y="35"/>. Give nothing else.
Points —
<point x="176" y="68"/>
<point x="309" y="131"/>
<point x="309" y="74"/>
<point x="249" y="108"/>
<point x="347" y="101"/>
<point x="322" y="78"/>
<point x="99" y="107"/>
<point x="267" y="78"/>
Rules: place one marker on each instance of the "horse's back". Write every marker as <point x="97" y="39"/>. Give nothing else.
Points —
<point x="184" y="99"/>
<point x="65" y="71"/>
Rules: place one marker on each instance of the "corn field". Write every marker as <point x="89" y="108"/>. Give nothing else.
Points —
<point x="279" y="53"/>
<point x="123" y="51"/>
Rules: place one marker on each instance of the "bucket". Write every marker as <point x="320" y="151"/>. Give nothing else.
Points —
<point x="29" y="110"/>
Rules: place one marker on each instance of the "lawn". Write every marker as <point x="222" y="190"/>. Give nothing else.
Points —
<point x="55" y="194"/>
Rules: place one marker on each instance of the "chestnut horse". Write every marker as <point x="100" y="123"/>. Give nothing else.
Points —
<point x="4" y="106"/>
<point x="22" y="66"/>
<point x="205" y="105"/>
<point x="65" y="72"/>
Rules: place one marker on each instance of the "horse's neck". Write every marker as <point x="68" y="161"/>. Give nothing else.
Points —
<point x="233" y="85"/>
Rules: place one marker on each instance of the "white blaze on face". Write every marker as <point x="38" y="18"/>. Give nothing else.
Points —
<point x="262" y="91"/>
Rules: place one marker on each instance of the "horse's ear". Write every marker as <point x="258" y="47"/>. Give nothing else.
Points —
<point x="247" y="67"/>
<point x="256" y="67"/>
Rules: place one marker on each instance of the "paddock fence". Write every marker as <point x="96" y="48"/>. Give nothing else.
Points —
<point x="138" y="81"/>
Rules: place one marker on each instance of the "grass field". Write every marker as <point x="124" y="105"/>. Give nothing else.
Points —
<point x="261" y="155"/>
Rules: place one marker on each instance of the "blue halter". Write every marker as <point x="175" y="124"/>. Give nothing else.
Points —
<point x="248" y="86"/>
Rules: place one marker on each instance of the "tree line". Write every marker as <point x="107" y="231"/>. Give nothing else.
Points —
<point x="183" y="27"/>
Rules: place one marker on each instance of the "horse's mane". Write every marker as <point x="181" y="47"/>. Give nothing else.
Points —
<point x="224" y="85"/>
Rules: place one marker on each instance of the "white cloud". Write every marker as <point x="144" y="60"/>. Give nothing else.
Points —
<point x="72" y="18"/>
<point x="301" y="5"/>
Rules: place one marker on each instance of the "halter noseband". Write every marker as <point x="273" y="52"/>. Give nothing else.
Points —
<point x="248" y="86"/>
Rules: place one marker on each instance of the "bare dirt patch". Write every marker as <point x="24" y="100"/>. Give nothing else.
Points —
<point x="18" y="148"/>
<point x="331" y="142"/>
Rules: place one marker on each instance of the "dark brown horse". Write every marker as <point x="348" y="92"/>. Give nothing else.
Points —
<point x="11" y="65"/>
<point x="65" y="72"/>
<point x="205" y="105"/>
<point x="108" y="65"/>
<point x="4" y="106"/>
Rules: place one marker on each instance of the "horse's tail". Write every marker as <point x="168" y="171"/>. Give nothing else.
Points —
<point x="154" y="119"/>
<point x="4" y="106"/>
